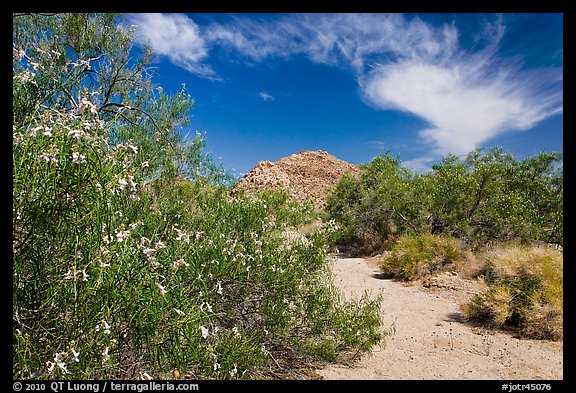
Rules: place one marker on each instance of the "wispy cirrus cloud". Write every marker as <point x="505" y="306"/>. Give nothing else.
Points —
<point x="467" y="96"/>
<point x="463" y="106"/>
<point x="348" y="40"/>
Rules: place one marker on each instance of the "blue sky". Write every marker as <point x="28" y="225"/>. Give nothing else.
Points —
<point x="420" y="86"/>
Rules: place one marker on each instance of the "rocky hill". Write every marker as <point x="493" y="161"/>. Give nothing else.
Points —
<point x="306" y="175"/>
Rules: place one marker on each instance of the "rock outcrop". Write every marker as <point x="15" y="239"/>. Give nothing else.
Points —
<point x="307" y="175"/>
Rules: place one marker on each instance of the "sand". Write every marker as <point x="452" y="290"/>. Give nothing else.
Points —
<point x="430" y="339"/>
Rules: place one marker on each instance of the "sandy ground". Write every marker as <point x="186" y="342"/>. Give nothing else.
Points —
<point x="430" y="340"/>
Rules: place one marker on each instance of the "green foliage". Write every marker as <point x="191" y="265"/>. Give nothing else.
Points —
<point x="372" y="212"/>
<point x="335" y="326"/>
<point x="342" y="204"/>
<point x="130" y="258"/>
<point x="493" y="197"/>
<point x="525" y="291"/>
<point x="82" y="63"/>
<point x="415" y="256"/>
<point x="489" y="196"/>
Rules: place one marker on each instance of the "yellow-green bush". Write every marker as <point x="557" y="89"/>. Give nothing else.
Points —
<point x="415" y="256"/>
<point x="525" y="285"/>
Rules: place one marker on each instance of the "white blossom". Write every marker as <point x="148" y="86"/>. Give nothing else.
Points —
<point x="132" y="183"/>
<point x="133" y="148"/>
<point x="207" y="305"/>
<point x="26" y="76"/>
<point x="21" y="54"/>
<point x="44" y="157"/>
<point x="182" y="235"/>
<point x="105" y="356"/>
<point x="70" y="276"/>
<point x="57" y="362"/>
<point x="122" y="183"/>
<point x="148" y="251"/>
<point x="180" y="262"/>
<point x="76" y="359"/>
<point x="106" y="327"/>
<point x="34" y="130"/>
<point x="85" y="103"/>
<point x="162" y="290"/>
<point x="234" y="371"/>
<point x="62" y="367"/>
<point x="75" y="134"/>
<point x="79" y="158"/>
<point x="205" y="331"/>
<point x="120" y="236"/>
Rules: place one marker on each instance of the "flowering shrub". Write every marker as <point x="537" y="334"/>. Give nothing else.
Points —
<point x="122" y="268"/>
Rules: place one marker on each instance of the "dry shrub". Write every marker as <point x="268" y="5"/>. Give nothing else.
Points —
<point x="525" y="291"/>
<point x="471" y="266"/>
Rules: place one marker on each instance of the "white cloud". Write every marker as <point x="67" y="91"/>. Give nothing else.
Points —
<point x="467" y="97"/>
<point x="265" y="96"/>
<point x="176" y="37"/>
<point x="349" y="40"/>
<point x="249" y="38"/>
<point x="464" y="105"/>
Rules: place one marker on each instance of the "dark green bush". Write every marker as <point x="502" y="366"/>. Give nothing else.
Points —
<point x="488" y="197"/>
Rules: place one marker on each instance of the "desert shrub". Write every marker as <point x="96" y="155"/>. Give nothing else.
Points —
<point x="372" y="212"/>
<point x="341" y="205"/>
<point x="489" y="196"/>
<point x="472" y="266"/>
<point x="525" y="291"/>
<point x="415" y="256"/>
<point x="130" y="258"/>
